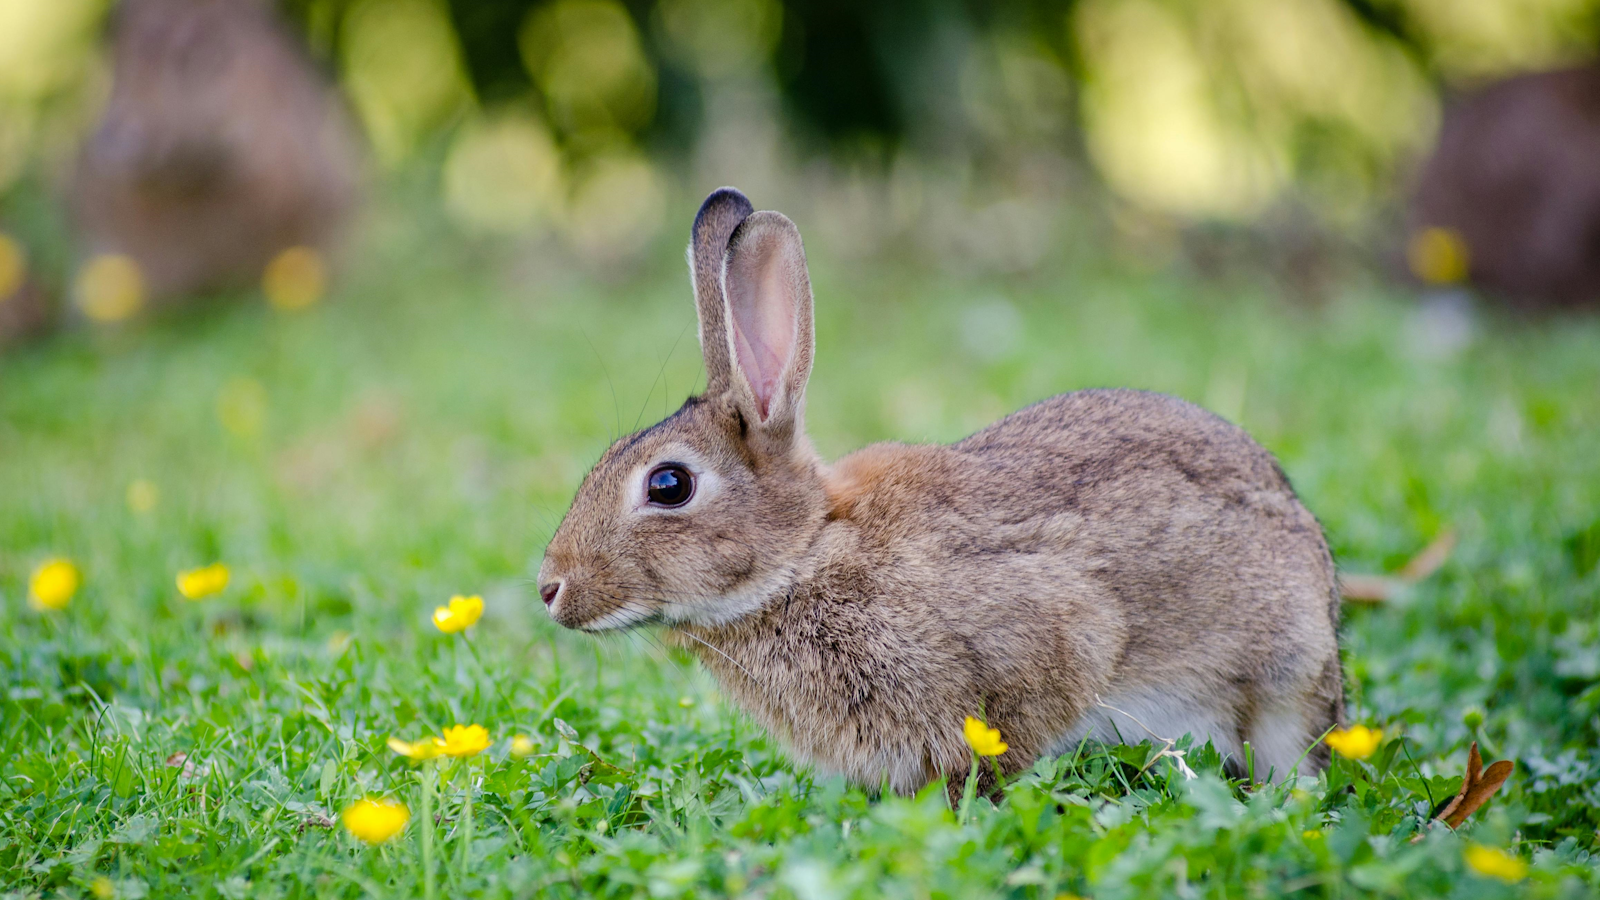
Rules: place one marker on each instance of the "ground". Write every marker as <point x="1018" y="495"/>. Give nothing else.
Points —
<point x="419" y="434"/>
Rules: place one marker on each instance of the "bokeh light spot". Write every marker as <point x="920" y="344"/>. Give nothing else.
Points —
<point x="721" y="38"/>
<point x="45" y="44"/>
<point x="616" y="207"/>
<point x="110" y="287"/>
<point x="403" y="71"/>
<point x="586" y="57"/>
<point x="503" y="173"/>
<point x="295" y="279"/>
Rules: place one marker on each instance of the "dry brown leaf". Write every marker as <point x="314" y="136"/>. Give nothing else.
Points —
<point x="1359" y="588"/>
<point x="1368" y="588"/>
<point x="1431" y="558"/>
<point x="1476" y="788"/>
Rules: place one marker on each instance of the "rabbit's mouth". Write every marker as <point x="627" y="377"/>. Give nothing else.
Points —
<point x="585" y="610"/>
<point x="622" y="618"/>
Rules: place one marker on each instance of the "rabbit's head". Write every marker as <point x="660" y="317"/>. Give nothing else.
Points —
<point x="705" y="517"/>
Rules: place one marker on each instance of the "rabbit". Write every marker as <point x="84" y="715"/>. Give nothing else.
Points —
<point x="220" y="147"/>
<point x="1516" y="177"/>
<point x="1106" y="564"/>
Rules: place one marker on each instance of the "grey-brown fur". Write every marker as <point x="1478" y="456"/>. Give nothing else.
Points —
<point x="221" y="146"/>
<point x="1099" y="550"/>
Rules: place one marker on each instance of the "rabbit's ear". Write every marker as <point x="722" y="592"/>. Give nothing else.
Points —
<point x="769" y="318"/>
<point x="708" y="249"/>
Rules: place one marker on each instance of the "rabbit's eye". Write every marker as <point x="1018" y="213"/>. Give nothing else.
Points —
<point x="669" y="485"/>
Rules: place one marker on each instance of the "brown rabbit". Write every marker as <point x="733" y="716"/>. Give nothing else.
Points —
<point x="1516" y="177"/>
<point x="220" y="147"/>
<point x="1100" y="563"/>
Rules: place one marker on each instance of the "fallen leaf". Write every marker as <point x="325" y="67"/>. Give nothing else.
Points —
<point x="1359" y="588"/>
<point x="1431" y="558"/>
<point x="1368" y="588"/>
<point x="1476" y="789"/>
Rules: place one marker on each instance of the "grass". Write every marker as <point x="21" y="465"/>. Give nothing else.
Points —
<point x="419" y="437"/>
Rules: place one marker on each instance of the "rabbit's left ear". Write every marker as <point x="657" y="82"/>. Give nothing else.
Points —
<point x="770" y="330"/>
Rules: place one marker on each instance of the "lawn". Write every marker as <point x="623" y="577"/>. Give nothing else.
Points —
<point x="418" y="436"/>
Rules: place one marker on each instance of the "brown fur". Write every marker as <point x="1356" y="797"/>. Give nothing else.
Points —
<point x="1098" y="545"/>
<point x="220" y="147"/>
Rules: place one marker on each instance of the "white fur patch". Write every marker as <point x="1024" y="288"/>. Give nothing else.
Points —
<point x="617" y="618"/>
<point x="1278" y="738"/>
<point x="711" y="612"/>
<point x="1131" y="718"/>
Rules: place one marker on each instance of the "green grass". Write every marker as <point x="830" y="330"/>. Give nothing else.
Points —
<point x="420" y="436"/>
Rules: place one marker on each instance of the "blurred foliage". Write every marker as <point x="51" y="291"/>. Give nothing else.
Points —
<point x="1205" y="108"/>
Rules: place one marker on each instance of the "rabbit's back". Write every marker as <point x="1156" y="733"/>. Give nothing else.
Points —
<point x="1222" y="578"/>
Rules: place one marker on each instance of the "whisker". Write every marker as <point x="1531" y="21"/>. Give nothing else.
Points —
<point x="718" y="650"/>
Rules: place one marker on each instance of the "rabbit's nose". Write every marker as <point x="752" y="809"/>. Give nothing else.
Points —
<point x="550" y="591"/>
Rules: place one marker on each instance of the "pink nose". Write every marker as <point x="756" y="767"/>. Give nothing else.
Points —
<point x="549" y="592"/>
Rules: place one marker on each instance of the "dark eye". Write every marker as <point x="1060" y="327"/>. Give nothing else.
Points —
<point x="669" y="484"/>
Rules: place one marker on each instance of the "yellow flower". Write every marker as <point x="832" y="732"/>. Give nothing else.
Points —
<point x="983" y="740"/>
<point x="1492" y="862"/>
<point x="13" y="267"/>
<point x="295" y="279"/>
<point x="459" y="615"/>
<point x="465" y="740"/>
<point x="1439" y="256"/>
<point x="375" y="821"/>
<point x="102" y="888"/>
<point x="53" y="584"/>
<point x="1311" y="835"/>
<point x="197" y="584"/>
<point x="427" y="748"/>
<point x="522" y="745"/>
<point x="1356" y="742"/>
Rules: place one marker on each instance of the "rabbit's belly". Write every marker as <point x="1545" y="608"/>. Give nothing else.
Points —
<point x="1131" y="718"/>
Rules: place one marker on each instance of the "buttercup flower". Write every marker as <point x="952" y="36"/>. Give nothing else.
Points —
<point x="375" y="821"/>
<point x="1356" y="742"/>
<point x="459" y="615"/>
<point x="465" y="740"/>
<point x="1492" y="862"/>
<point x="13" y="267"/>
<point x="983" y="740"/>
<point x="427" y="748"/>
<point x="53" y="584"/>
<point x="197" y="584"/>
<point x="522" y="745"/>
